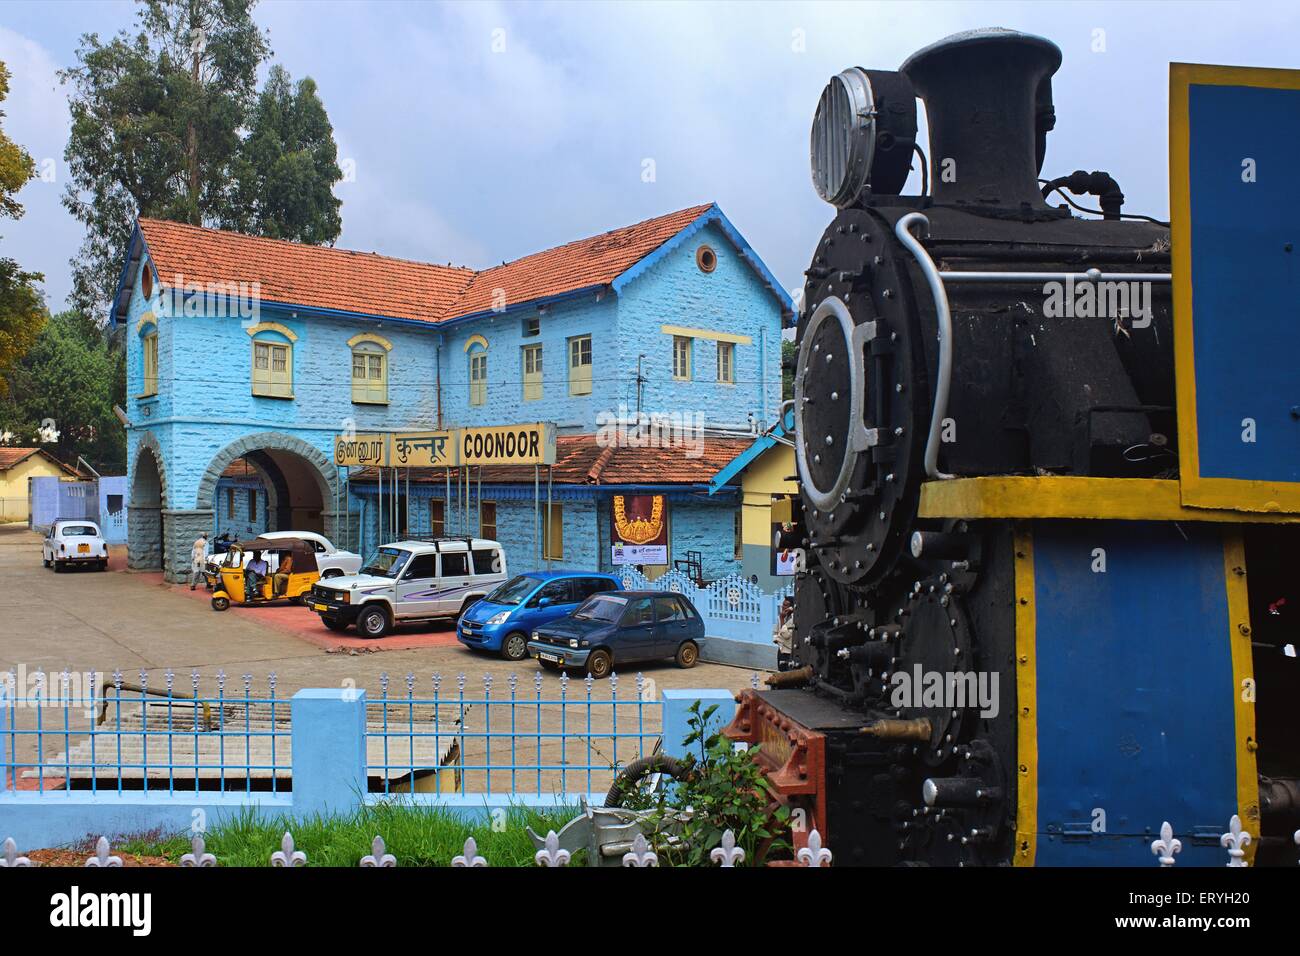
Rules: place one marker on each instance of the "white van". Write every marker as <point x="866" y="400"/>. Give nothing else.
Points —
<point x="410" y="581"/>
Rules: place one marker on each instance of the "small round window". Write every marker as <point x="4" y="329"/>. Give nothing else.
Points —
<point x="146" y="279"/>
<point x="706" y="258"/>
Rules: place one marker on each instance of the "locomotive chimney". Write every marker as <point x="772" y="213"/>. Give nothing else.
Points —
<point x="988" y="98"/>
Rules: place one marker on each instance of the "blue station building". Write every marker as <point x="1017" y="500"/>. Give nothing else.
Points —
<point x="653" y="350"/>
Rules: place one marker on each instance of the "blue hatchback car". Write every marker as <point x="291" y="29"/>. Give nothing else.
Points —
<point x="504" y="619"/>
<point x="621" y="628"/>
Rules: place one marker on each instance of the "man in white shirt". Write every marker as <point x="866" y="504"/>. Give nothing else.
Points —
<point x="198" y="559"/>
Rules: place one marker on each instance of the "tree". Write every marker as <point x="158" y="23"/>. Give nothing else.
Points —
<point x="155" y="127"/>
<point x="22" y="307"/>
<point x="70" y="377"/>
<point x="287" y="165"/>
<point x="789" y="359"/>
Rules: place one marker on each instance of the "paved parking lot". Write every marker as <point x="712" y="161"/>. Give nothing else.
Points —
<point x="86" y="620"/>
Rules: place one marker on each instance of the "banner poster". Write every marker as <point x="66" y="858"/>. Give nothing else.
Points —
<point x="639" y="529"/>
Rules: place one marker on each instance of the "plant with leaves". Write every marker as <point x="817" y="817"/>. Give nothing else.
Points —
<point x="72" y="377"/>
<point x="722" y="789"/>
<point x="286" y="166"/>
<point x="167" y="123"/>
<point x="22" y="308"/>
<point x="155" y="121"/>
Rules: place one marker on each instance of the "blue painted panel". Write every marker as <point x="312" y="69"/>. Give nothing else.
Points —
<point x="1246" y="279"/>
<point x="1135" y="690"/>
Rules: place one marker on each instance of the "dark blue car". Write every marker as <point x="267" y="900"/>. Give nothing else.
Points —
<point x="621" y="628"/>
<point x="504" y="619"/>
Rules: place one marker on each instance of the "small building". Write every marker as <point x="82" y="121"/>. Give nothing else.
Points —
<point x="769" y="492"/>
<point x="17" y="467"/>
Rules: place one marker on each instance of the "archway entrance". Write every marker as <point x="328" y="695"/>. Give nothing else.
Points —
<point x="146" y="542"/>
<point x="299" y="482"/>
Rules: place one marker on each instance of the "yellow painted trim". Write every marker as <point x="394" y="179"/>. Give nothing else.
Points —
<point x="284" y="330"/>
<point x="1197" y="492"/>
<point x="147" y="319"/>
<point x="1234" y="574"/>
<point x="1026" y="847"/>
<point x="706" y="334"/>
<point x="379" y="340"/>
<point x="474" y="340"/>
<point x="1062" y="496"/>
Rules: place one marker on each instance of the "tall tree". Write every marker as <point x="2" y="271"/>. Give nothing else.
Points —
<point x="287" y="166"/>
<point x="22" y="307"/>
<point x="70" y="377"/>
<point x="155" y="127"/>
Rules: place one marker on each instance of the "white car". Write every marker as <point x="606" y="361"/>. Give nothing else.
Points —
<point x="410" y="581"/>
<point x="74" y="542"/>
<point x="331" y="561"/>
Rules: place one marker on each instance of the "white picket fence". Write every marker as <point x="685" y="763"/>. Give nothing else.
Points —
<point x="732" y="607"/>
<point x="642" y="854"/>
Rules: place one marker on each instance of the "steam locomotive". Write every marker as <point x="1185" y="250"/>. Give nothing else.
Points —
<point x="1019" y="639"/>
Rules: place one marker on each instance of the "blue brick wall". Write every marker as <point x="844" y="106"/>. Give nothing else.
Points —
<point x="237" y="522"/>
<point x="731" y="298"/>
<point x="705" y="525"/>
<point x="505" y="392"/>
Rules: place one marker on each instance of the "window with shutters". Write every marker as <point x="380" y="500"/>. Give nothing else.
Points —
<point x="272" y="369"/>
<point x="532" y="359"/>
<point x="150" y="344"/>
<point x="580" y="365"/>
<point x="727" y="363"/>
<point x="478" y="378"/>
<point x="437" y="517"/>
<point x="369" y="374"/>
<point x="681" y="358"/>
<point x="487" y="520"/>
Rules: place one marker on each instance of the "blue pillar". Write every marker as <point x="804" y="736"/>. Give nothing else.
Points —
<point x="677" y="704"/>
<point x="5" y="704"/>
<point x="329" y="750"/>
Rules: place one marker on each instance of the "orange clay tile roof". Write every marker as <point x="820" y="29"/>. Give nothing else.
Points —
<point x="371" y="284"/>
<point x="10" y="456"/>
<point x="579" y="460"/>
<point x="595" y="261"/>
<point x="297" y="274"/>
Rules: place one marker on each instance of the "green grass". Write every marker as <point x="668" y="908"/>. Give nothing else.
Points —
<point x="416" y="835"/>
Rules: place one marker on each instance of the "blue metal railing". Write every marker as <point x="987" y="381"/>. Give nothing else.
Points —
<point x="511" y="741"/>
<point x="65" y="732"/>
<point x="74" y="732"/>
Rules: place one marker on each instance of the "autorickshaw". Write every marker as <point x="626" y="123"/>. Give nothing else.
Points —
<point x="291" y="563"/>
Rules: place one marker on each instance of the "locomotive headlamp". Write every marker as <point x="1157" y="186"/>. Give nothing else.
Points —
<point x="862" y="135"/>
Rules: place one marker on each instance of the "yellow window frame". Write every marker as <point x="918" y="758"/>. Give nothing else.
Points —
<point x="532" y="379"/>
<point x="580" y="371"/>
<point x="268" y="381"/>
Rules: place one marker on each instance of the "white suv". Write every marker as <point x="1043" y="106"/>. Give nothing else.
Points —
<point x="330" y="561"/>
<point x="72" y="542"/>
<point x="410" y="581"/>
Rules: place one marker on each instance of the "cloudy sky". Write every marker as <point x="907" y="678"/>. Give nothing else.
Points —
<point x="482" y="132"/>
